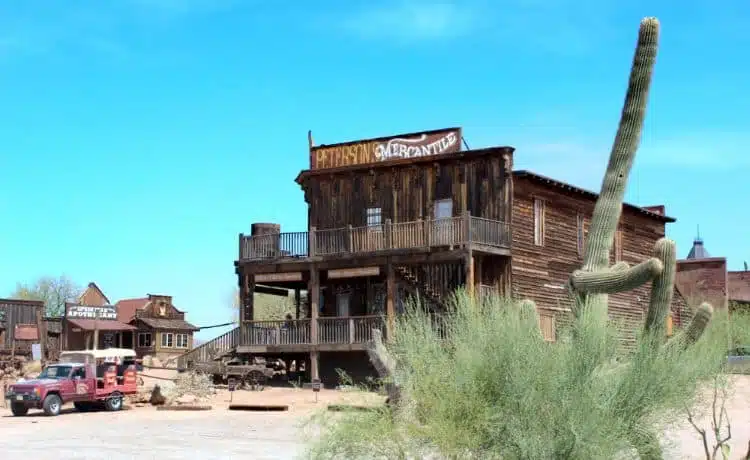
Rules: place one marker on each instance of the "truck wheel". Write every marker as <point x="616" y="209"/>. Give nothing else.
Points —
<point x="52" y="405"/>
<point x="19" y="410"/>
<point x="113" y="403"/>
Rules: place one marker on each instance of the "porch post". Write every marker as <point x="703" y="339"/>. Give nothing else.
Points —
<point x="297" y="302"/>
<point x="469" y="272"/>
<point x="390" y="288"/>
<point x="313" y="291"/>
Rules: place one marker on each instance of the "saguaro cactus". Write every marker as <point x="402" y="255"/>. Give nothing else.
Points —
<point x="595" y="280"/>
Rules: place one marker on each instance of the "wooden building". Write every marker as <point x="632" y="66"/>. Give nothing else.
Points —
<point x="416" y="214"/>
<point x="19" y="324"/>
<point x="159" y="327"/>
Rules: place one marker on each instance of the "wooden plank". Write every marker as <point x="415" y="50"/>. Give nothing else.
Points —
<point x="353" y="272"/>
<point x="271" y="277"/>
<point x="270" y="290"/>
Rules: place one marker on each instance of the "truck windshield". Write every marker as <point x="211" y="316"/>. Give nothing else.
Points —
<point x="55" y="372"/>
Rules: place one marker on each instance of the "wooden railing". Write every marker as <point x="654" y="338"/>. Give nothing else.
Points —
<point x="211" y="349"/>
<point x="354" y="329"/>
<point x="274" y="333"/>
<point x="451" y="231"/>
<point x="331" y="330"/>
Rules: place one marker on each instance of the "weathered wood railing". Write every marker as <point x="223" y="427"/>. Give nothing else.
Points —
<point x="211" y="349"/>
<point x="331" y="330"/>
<point x="353" y="329"/>
<point x="451" y="231"/>
<point x="274" y="333"/>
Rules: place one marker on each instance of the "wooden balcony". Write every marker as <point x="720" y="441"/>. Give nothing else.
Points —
<point x="452" y="232"/>
<point x="333" y="333"/>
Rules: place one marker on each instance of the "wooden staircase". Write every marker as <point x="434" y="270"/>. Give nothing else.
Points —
<point x="433" y="283"/>
<point x="212" y="350"/>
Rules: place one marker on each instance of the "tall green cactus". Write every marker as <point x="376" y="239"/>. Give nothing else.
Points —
<point x="595" y="280"/>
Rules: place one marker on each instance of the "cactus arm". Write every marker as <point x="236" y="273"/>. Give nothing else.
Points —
<point x="695" y="329"/>
<point x="662" y="288"/>
<point x="616" y="279"/>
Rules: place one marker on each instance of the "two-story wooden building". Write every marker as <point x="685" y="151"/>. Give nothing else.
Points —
<point x="416" y="214"/>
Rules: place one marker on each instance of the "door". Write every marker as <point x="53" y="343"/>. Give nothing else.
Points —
<point x="443" y="231"/>
<point x="342" y="304"/>
<point x="82" y="387"/>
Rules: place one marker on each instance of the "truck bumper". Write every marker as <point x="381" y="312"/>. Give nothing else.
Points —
<point x="28" y="400"/>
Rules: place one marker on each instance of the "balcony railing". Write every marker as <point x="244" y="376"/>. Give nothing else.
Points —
<point x="331" y="330"/>
<point x="452" y="231"/>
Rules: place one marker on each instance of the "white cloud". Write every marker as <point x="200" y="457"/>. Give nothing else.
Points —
<point x="413" y="20"/>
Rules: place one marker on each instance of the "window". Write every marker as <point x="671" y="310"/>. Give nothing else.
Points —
<point x="79" y="373"/>
<point x="182" y="340"/>
<point x="538" y="222"/>
<point x="580" y="235"/>
<point x="618" y="245"/>
<point x="547" y="326"/>
<point x="443" y="209"/>
<point x="167" y="339"/>
<point x="144" y="339"/>
<point x="374" y="218"/>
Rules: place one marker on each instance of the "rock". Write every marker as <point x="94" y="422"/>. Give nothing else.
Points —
<point x="157" y="398"/>
<point x="186" y="399"/>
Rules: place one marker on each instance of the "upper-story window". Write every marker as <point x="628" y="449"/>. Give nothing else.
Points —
<point x="443" y="209"/>
<point x="617" y="247"/>
<point x="539" y="206"/>
<point x="580" y="236"/>
<point x="374" y="218"/>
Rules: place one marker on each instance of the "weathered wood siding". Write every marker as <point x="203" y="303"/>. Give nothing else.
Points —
<point x="407" y="192"/>
<point x="540" y="272"/>
<point x="13" y="312"/>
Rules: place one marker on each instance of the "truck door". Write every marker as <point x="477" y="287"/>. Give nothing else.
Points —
<point x="81" y="385"/>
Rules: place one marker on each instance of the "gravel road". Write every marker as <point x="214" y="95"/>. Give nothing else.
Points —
<point x="149" y="434"/>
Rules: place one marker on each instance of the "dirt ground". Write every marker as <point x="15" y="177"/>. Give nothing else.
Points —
<point x="144" y="432"/>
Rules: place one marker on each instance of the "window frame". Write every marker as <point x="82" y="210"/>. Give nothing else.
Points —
<point x="374" y="218"/>
<point x="436" y="207"/>
<point x="170" y="342"/>
<point x="181" y="335"/>
<point x="539" y="212"/>
<point x="144" y="334"/>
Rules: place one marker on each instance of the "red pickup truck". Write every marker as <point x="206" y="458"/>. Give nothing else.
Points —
<point x="89" y="379"/>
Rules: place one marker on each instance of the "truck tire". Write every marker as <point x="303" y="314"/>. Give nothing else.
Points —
<point x="113" y="403"/>
<point x="52" y="405"/>
<point x="19" y="410"/>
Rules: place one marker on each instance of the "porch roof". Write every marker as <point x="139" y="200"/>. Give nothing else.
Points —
<point x="102" y="325"/>
<point x="163" y="323"/>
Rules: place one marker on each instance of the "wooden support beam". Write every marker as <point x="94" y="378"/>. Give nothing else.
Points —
<point x="41" y="331"/>
<point x="469" y="273"/>
<point x="297" y="301"/>
<point x="313" y="290"/>
<point x="390" y="287"/>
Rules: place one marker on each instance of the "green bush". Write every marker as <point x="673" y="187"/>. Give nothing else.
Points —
<point x="491" y="387"/>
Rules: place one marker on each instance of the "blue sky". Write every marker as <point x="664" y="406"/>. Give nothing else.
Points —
<point x="139" y="137"/>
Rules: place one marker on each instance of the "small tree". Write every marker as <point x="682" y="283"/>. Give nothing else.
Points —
<point x="266" y="307"/>
<point x="54" y="292"/>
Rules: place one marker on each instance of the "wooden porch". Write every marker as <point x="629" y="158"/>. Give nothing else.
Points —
<point x="454" y="232"/>
<point x="292" y="336"/>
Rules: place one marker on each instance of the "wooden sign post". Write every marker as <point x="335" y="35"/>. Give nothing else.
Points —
<point x="316" y="388"/>
<point x="231" y="386"/>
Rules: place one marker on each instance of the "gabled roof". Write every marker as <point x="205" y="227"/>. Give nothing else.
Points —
<point x="93" y="286"/>
<point x="544" y="180"/>
<point x="126" y="308"/>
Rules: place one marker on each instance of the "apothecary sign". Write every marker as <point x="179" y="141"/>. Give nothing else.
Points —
<point x="107" y="312"/>
<point x="412" y="145"/>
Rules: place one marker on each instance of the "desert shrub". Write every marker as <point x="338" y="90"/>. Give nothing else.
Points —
<point x="493" y="388"/>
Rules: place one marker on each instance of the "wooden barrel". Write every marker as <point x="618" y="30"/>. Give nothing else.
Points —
<point x="266" y="241"/>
